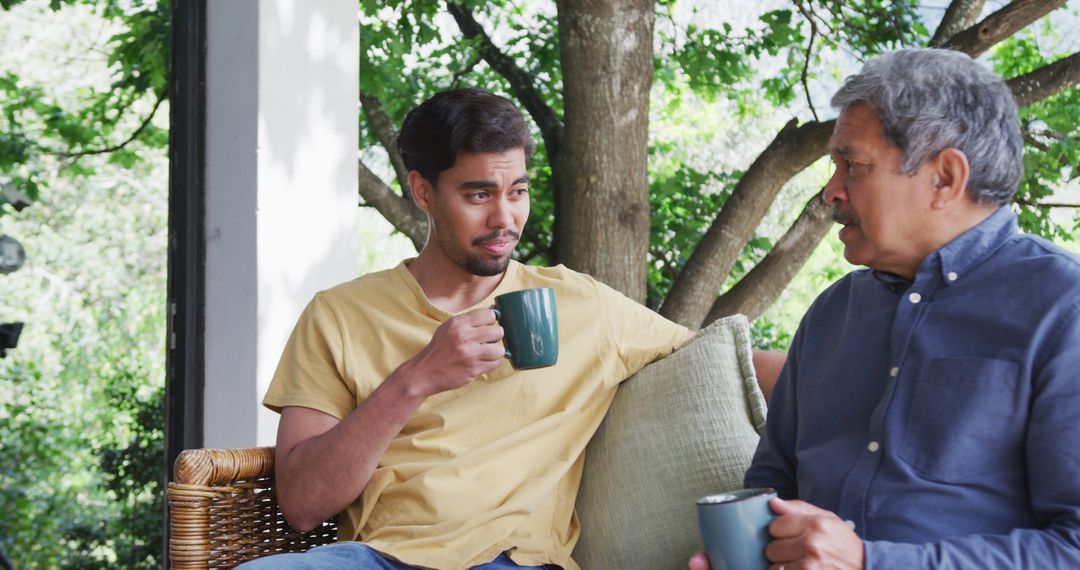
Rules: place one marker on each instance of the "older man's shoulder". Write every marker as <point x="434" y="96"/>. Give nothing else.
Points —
<point x="1037" y="253"/>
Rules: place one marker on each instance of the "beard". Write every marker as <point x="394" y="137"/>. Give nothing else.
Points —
<point x="479" y="265"/>
<point x="484" y="267"/>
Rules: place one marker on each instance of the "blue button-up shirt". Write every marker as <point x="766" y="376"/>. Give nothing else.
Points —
<point x="941" y="416"/>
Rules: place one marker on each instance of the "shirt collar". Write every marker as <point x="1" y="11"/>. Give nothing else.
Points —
<point x="894" y="282"/>
<point x="956" y="258"/>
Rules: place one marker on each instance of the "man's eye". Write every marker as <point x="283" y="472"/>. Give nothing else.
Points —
<point x="521" y="191"/>
<point x="857" y="168"/>
<point x="475" y="196"/>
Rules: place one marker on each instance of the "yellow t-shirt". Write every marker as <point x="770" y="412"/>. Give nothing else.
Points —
<point x="492" y="466"/>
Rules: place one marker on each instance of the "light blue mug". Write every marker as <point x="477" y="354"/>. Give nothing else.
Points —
<point x="735" y="528"/>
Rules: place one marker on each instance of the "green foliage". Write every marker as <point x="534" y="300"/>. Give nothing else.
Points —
<point x="37" y="125"/>
<point x="724" y="62"/>
<point x="36" y="492"/>
<point x="81" y="410"/>
<point x="766" y="334"/>
<point x="869" y="27"/>
<point x="57" y="513"/>
<point x="718" y="60"/>
<point x="1052" y="132"/>
<point x="60" y="517"/>
<point x="683" y="203"/>
<point x="132" y="470"/>
<point x="81" y="402"/>
<point x="535" y="247"/>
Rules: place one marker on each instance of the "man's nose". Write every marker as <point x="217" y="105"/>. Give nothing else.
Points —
<point x="834" y="189"/>
<point x="501" y="215"/>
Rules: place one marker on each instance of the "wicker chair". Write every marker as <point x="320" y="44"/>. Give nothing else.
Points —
<point x="223" y="511"/>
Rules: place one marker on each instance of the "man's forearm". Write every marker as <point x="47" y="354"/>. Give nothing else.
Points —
<point x="1055" y="547"/>
<point x="321" y="475"/>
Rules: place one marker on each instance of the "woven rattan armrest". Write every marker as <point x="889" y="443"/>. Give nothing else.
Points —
<point x="223" y="511"/>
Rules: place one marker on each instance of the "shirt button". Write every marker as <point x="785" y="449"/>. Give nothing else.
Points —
<point x="850" y="524"/>
<point x="951" y="276"/>
<point x="914" y="298"/>
<point x="894" y="372"/>
<point x="873" y="447"/>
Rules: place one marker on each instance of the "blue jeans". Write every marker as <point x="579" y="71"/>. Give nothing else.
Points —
<point x="354" y="556"/>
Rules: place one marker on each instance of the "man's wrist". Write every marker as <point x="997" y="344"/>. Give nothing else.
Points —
<point x="407" y="382"/>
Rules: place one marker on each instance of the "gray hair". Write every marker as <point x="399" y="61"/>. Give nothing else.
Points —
<point x="931" y="99"/>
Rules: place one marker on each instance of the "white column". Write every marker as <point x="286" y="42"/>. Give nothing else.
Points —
<point x="281" y="198"/>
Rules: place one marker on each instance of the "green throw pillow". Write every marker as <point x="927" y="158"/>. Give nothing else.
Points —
<point x="681" y="428"/>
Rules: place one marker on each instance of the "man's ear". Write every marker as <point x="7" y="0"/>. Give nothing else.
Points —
<point x="421" y="190"/>
<point x="950" y="177"/>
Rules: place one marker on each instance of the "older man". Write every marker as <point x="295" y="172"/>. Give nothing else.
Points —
<point x="927" y="416"/>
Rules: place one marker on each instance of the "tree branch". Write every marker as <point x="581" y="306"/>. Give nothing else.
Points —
<point x="1045" y="81"/>
<point x="1033" y="204"/>
<point x="660" y="254"/>
<point x="521" y="83"/>
<point x="821" y="19"/>
<point x="1001" y="24"/>
<point x="455" y="81"/>
<point x="394" y="208"/>
<point x="694" y="290"/>
<point x="763" y="284"/>
<point x="408" y="218"/>
<point x="529" y="235"/>
<point x="809" y="53"/>
<point x="384" y="130"/>
<point x="960" y="15"/>
<point x="145" y="123"/>
<point x="1030" y="140"/>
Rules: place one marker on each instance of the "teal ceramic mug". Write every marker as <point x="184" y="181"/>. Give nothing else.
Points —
<point x="735" y="528"/>
<point x="530" y="327"/>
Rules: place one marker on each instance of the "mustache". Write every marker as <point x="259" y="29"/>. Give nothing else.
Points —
<point x="841" y="217"/>
<point x="496" y="235"/>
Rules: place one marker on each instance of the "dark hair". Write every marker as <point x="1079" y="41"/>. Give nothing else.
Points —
<point x="466" y="119"/>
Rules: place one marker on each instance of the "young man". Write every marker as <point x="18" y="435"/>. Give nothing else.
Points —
<point x="927" y="414"/>
<point x="398" y="408"/>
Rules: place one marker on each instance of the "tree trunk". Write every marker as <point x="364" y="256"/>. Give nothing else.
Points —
<point x="607" y="65"/>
